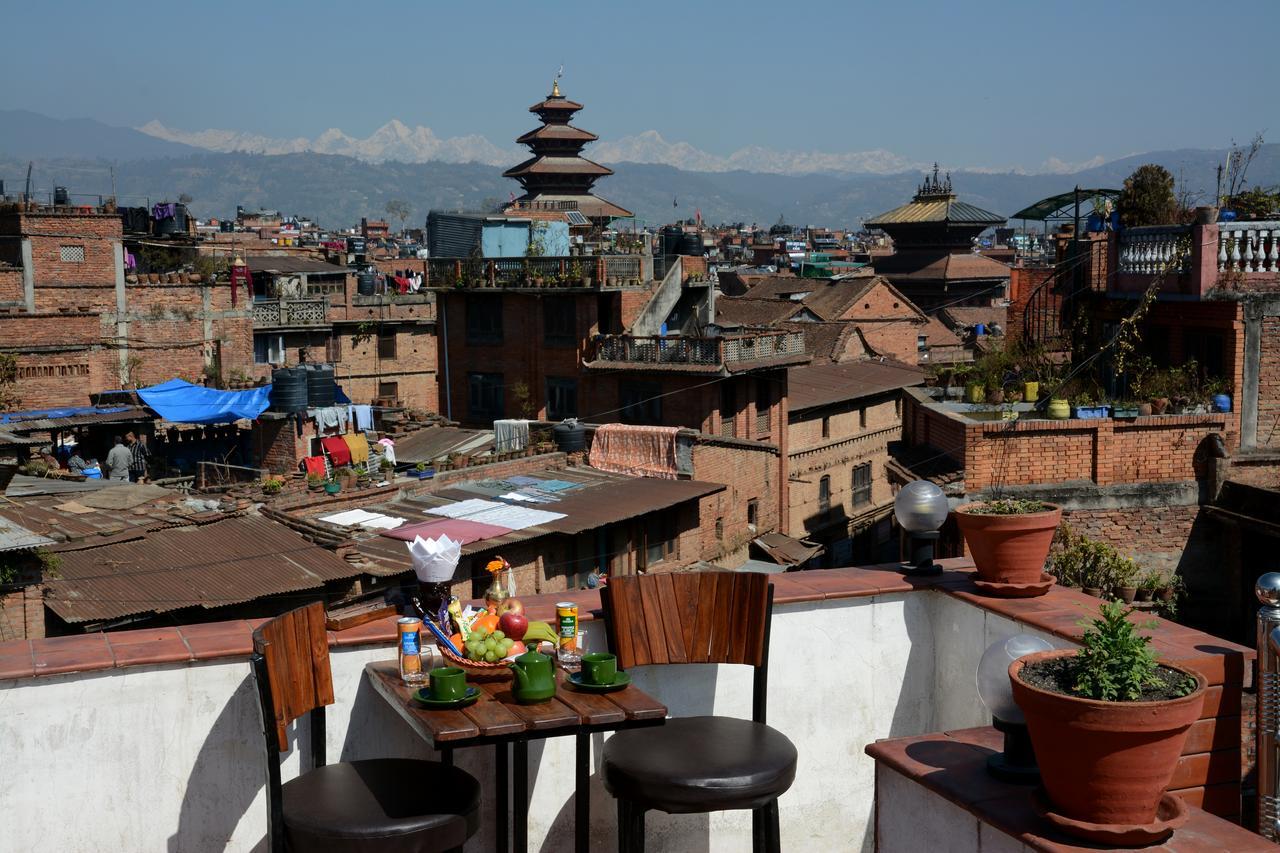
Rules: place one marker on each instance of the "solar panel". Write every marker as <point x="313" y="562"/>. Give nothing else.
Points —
<point x="575" y="217"/>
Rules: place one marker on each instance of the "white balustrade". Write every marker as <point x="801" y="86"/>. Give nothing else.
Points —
<point x="1249" y="246"/>
<point x="1148" y="251"/>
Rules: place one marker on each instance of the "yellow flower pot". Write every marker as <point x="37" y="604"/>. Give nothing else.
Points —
<point x="1031" y="391"/>
<point x="1059" y="409"/>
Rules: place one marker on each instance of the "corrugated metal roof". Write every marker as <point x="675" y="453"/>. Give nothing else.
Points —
<point x="949" y="210"/>
<point x="824" y="384"/>
<point x="227" y="562"/>
<point x="13" y="439"/>
<point x="130" y="414"/>
<point x="290" y="264"/>
<point x="14" y="537"/>
<point x="424" y="445"/>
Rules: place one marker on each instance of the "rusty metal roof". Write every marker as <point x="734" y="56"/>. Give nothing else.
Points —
<point x="825" y="384"/>
<point x="291" y="264"/>
<point x="15" y="537"/>
<point x="132" y="414"/>
<point x="424" y="445"/>
<point x="213" y="565"/>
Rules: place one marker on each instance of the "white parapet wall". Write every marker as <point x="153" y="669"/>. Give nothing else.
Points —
<point x="171" y="757"/>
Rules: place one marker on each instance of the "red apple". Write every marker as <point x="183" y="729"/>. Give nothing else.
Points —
<point x="514" y="625"/>
<point x="510" y="605"/>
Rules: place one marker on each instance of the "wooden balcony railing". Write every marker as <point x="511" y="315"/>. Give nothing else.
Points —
<point x="733" y="349"/>
<point x="290" y="311"/>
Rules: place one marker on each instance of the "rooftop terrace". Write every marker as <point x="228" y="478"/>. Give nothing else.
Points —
<point x="162" y="726"/>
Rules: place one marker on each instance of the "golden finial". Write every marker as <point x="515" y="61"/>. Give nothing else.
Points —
<point x="555" y="89"/>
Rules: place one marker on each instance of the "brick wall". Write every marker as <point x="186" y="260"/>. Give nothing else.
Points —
<point x="750" y="473"/>
<point x="1155" y="536"/>
<point x="889" y="321"/>
<point x="1023" y="281"/>
<point x="11" y="289"/>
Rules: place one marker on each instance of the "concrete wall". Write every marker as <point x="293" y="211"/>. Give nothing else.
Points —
<point x="173" y="755"/>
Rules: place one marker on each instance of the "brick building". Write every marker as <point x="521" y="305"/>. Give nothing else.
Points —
<point x="80" y="320"/>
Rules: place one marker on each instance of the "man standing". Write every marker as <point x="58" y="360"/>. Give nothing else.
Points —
<point x="118" y="461"/>
<point x="139" y="454"/>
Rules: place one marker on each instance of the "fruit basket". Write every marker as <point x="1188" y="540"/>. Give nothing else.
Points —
<point x="477" y="670"/>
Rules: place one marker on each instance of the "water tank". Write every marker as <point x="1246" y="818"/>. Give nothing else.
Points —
<point x="320" y="385"/>
<point x="692" y="245"/>
<point x="289" y="389"/>
<point x="227" y="226"/>
<point x="569" y="436"/>
<point x="671" y="240"/>
<point x="176" y="224"/>
<point x="61" y="196"/>
<point x="366" y="283"/>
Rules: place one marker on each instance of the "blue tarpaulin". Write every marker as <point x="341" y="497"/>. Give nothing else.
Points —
<point x="184" y="403"/>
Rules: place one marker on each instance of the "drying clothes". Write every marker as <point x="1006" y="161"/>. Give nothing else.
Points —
<point x="415" y="282"/>
<point x="163" y="211"/>
<point x="339" y="452"/>
<point x="510" y="434"/>
<point x="359" y="447"/>
<point x="402" y="284"/>
<point x="644" y="450"/>
<point x="315" y="465"/>
<point x="332" y="417"/>
<point x="363" y="416"/>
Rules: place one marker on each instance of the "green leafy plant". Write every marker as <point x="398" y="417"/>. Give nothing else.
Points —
<point x="1147" y="197"/>
<point x="420" y="467"/>
<point x="1150" y="579"/>
<point x="272" y="485"/>
<point x="1009" y="506"/>
<point x="1115" y="663"/>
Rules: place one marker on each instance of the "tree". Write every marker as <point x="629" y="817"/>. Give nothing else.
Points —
<point x="400" y="210"/>
<point x="1255" y="203"/>
<point x="1147" y="197"/>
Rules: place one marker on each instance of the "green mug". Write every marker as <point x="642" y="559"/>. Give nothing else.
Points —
<point x="599" y="668"/>
<point x="448" y="684"/>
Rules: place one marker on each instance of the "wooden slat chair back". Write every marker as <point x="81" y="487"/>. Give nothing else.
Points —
<point x="694" y="617"/>
<point x="294" y="650"/>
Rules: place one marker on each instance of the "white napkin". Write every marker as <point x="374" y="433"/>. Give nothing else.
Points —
<point x="434" y="560"/>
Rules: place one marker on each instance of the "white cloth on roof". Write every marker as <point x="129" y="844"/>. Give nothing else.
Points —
<point x="510" y="434"/>
<point x="363" y="416"/>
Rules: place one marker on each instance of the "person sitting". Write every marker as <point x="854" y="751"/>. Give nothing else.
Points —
<point x="76" y="463"/>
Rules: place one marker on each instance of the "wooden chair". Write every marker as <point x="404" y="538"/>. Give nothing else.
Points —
<point x="384" y="804"/>
<point x="696" y="764"/>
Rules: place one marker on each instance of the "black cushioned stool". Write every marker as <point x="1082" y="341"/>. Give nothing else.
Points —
<point x="696" y="764"/>
<point x="384" y="805"/>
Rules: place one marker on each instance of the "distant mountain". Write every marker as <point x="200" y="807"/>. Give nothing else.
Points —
<point x="31" y="135"/>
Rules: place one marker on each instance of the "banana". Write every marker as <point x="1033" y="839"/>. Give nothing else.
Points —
<point x="540" y="631"/>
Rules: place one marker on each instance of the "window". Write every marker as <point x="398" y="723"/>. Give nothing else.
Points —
<point x="71" y="254"/>
<point x="824" y="494"/>
<point x="897" y="407"/>
<point x="389" y="390"/>
<point x="862" y="484"/>
<point x="764" y="400"/>
<point x="559" y="321"/>
<point x="387" y="343"/>
<point x="862" y="417"/>
<point x="484" y="319"/>
<point x="753" y="513"/>
<point x="728" y="410"/>
<point x="660" y="538"/>
<point x="720" y="528"/>
<point x="826" y="427"/>
<point x="640" y="402"/>
<point x="484" y="400"/>
<point x="333" y="349"/>
<point x="562" y="398"/>
<point x="922" y="343"/>
<point x="268" y="349"/>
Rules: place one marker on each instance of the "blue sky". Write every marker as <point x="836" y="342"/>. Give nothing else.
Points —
<point x="993" y="84"/>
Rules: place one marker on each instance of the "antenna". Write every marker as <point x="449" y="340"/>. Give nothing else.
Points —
<point x="26" y="195"/>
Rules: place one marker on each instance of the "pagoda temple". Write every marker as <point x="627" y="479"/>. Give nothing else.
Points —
<point x="557" y="177"/>
<point x="933" y="237"/>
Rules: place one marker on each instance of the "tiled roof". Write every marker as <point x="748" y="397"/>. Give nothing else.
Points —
<point x="291" y="264"/>
<point x="829" y="341"/>
<point x="932" y="267"/>
<point x="824" y="384"/>
<point x="557" y="166"/>
<point x="966" y="317"/>
<point x="938" y="334"/>
<point x="748" y="311"/>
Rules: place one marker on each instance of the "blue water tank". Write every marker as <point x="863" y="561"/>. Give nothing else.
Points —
<point x="980" y="329"/>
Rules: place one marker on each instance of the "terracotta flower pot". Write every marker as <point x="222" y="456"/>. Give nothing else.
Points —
<point x="1105" y="762"/>
<point x="1009" y="548"/>
<point x="1144" y="410"/>
<point x="1126" y="593"/>
<point x="1159" y="405"/>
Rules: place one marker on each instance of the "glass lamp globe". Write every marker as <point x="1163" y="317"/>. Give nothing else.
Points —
<point x="993" y="674"/>
<point x="920" y="507"/>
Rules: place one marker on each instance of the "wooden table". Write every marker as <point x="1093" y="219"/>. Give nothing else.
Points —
<point x="497" y="719"/>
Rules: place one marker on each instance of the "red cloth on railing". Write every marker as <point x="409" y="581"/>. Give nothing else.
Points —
<point x="337" y="449"/>
<point x="315" y="465"/>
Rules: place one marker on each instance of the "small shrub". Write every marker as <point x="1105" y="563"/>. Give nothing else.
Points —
<point x="1115" y="663"/>
<point x="1009" y="506"/>
<point x="272" y="485"/>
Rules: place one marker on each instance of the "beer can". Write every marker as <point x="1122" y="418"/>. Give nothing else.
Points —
<point x="410" y="628"/>
<point x="567" y="625"/>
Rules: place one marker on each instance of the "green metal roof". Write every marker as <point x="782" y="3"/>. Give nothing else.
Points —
<point x="1062" y="206"/>
<point x="941" y="209"/>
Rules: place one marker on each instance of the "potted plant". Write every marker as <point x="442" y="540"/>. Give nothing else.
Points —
<point x="272" y="486"/>
<point x="974" y="390"/>
<point x="1108" y="723"/>
<point x="1124" y="578"/>
<point x="1009" y="539"/>
<point x="315" y="482"/>
<point x="332" y="486"/>
<point x="1088" y="407"/>
<point x="1126" y="410"/>
<point x="423" y="471"/>
<point x="1148" y="583"/>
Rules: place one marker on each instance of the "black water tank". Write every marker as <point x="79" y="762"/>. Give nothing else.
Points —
<point x="61" y="196"/>
<point x="320" y="385"/>
<point x="366" y="283"/>
<point x="176" y="224"/>
<point x="692" y="245"/>
<point x="289" y="389"/>
<point x="672" y="239"/>
<point x="569" y="436"/>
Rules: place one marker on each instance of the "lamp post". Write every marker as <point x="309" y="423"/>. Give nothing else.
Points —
<point x="921" y="509"/>
<point x="1268" y="722"/>
<point x="1017" y="762"/>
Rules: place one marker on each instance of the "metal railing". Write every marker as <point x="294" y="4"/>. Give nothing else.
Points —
<point x="1268" y="722"/>
<point x="290" y="311"/>
<point x="705" y="351"/>
<point x="1249" y="246"/>
<point x="551" y="272"/>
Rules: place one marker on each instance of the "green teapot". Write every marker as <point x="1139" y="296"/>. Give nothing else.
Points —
<point x="535" y="680"/>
